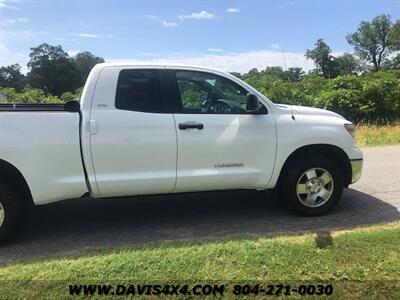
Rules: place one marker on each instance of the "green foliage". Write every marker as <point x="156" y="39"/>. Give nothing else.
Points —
<point x="52" y="70"/>
<point x="71" y="96"/>
<point x="84" y="62"/>
<point x="392" y="64"/>
<point x="33" y="96"/>
<point x="236" y="74"/>
<point x="191" y="94"/>
<point x="321" y="55"/>
<point x="330" y="66"/>
<point x="371" y="97"/>
<point x="343" y="98"/>
<point x="371" y="40"/>
<point x="346" y="64"/>
<point x="292" y="74"/>
<point x="29" y="96"/>
<point x="9" y="92"/>
<point x="11" y="76"/>
<point x="394" y="36"/>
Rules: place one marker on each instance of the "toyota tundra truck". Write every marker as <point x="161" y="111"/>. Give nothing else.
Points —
<point x="159" y="129"/>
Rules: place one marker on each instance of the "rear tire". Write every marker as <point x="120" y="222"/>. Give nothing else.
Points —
<point x="312" y="186"/>
<point x="10" y="213"/>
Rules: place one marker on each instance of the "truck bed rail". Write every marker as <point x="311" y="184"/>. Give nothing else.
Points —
<point x="71" y="106"/>
<point x="31" y="107"/>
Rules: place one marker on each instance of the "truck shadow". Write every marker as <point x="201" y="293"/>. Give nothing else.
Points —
<point x="77" y="225"/>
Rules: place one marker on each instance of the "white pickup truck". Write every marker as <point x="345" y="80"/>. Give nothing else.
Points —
<point x="154" y="129"/>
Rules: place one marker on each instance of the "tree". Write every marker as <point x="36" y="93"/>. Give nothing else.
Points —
<point x="294" y="74"/>
<point x="394" y="37"/>
<point x="12" y="77"/>
<point x="276" y="72"/>
<point x="346" y="64"/>
<point x="392" y="64"/>
<point x="236" y="74"/>
<point x="251" y="73"/>
<point x="321" y="55"/>
<point x="84" y="62"/>
<point x="371" y="40"/>
<point x="52" y="70"/>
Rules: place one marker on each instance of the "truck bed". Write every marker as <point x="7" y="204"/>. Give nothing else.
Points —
<point x="42" y="142"/>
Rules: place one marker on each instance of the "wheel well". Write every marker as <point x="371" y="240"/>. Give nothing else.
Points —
<point x="15" y="181"/>
<point x="335" y="153"/>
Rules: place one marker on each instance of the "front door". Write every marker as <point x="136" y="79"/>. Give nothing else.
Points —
<point x="220" y="144"/>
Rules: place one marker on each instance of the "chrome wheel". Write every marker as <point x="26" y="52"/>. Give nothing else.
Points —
<point x="315" y="187"/>
<point x="1" y="214"/>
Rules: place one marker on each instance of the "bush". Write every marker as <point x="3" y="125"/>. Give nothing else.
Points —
<point x="35" y="96"/>
<point x="373" y="97"/>
<point x="68" y="96"/>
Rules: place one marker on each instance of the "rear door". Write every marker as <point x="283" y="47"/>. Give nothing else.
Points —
<point x="132" y="137"/>
<point x="220" y="144"/>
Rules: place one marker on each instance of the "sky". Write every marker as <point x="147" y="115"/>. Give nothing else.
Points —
<point x="228" y="35"/>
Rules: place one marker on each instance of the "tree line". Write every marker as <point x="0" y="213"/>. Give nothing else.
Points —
<point x="362" y="86"/>
<point x="51" y="70"/>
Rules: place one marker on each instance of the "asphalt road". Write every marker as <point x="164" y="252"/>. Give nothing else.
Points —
<point x="77" y="226"/>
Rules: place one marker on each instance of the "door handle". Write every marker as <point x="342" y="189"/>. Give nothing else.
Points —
<point x="190" y="125"/>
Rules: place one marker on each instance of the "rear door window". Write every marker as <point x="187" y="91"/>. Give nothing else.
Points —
<point x="139" y="90"/>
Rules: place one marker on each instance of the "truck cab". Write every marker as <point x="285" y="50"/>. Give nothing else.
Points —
<point x="164" y="130"/>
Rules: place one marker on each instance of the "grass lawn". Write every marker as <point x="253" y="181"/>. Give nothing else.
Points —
<point x="363" y="262"/>
<point x="372" y="135"/>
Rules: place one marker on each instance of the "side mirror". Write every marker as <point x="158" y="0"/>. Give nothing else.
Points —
<point x="252" y="104"/>
<point x="72" y="106"/>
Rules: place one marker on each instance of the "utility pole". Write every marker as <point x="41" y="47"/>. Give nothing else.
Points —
<point x="284" y="59"/>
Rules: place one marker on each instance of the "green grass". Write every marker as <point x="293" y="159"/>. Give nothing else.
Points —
<point x="352" y="261"/>
<point x="374" y="135"/>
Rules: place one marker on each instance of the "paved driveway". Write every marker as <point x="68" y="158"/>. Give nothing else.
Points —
<point x="78" y="225"/>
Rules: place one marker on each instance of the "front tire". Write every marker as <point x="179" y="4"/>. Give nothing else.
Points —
<point x="10" y="213"/>
<point x="312" y="186"/>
